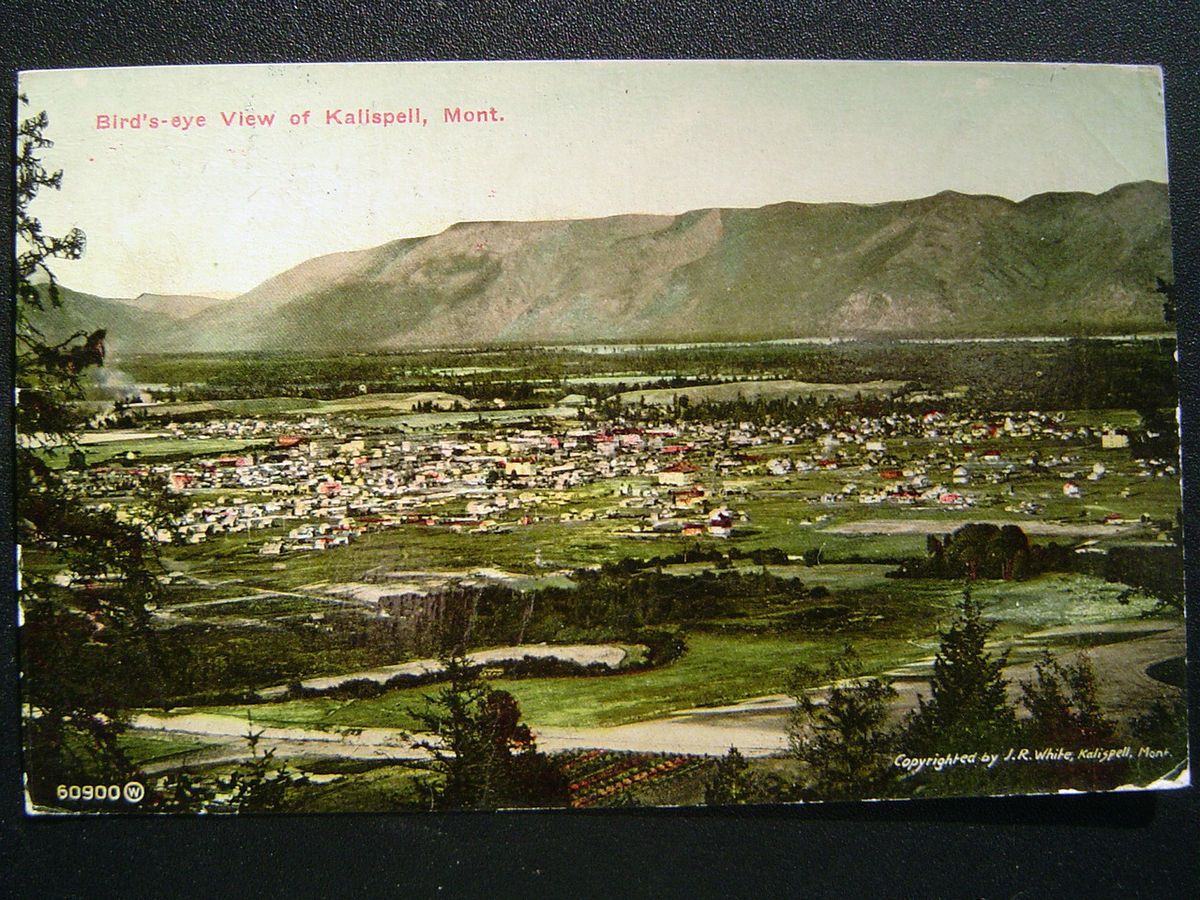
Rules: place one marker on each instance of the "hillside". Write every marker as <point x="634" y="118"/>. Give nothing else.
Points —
<point x="941" y="266"/>
<point x="130" y="328"/>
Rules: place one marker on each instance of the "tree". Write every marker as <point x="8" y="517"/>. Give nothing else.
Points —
<point x="1164" y="723"/>
<point x="732" y="783"/>
<point x="1062" y="704"/>
<point x="838" y="728"/>
<point x="968" y="709"/>
<point x="976" y="550"/>
<point x="485" y="755"/>
<point x="1064" y="712"/>
<point x="1151" y="571"/>
<point x="1012" y="551"/>
<point x="86" y="577"/>
<point x="983" y="550"/>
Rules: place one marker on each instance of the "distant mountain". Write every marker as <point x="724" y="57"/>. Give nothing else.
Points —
<point x="178" y="306"/>
<point x="942" y="266"/>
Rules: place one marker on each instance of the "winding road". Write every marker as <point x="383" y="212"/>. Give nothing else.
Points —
<point x="756" y="726"/>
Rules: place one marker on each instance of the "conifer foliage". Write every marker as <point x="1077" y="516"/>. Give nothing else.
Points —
<point x="968" y="708"/>
<point x="840" y="731"/>
<point x="485" y="755"/>
<point x="86" y="576"/>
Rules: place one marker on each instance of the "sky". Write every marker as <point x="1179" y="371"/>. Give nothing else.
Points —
<point x="221" y="208"/>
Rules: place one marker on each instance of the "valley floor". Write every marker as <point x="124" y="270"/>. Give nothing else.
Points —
<point x="756" y="726"/>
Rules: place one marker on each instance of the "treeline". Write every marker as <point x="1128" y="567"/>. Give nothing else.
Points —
<point x="1150" y="570"/>
<point x="983" y="550"/>
<point x="1075" y="374"/>
<point x="608" y="605"/>
<point x="697" y="553"/>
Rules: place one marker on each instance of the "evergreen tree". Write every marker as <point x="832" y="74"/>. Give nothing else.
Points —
<point x="485" y="755"/>
<point x="839" y="730"/>
<point x="968" y="709"/>
<point x="733" y="783"/>
<point x="86" y="577"/>
<point x="1063" y="707"/>
<point x="730" y="783"/>
<point x="1064" y="712"/>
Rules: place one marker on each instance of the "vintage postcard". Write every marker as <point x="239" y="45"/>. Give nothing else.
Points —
<point x="437" y="436"/>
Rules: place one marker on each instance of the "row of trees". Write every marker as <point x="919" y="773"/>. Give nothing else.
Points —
<point x="847" y="744"/>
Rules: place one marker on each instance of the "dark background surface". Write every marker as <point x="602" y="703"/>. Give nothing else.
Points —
<point x="1128" y="844"/>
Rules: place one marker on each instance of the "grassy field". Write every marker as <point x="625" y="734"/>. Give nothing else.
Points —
<point x="362" y="787"/>
<point x="715" y="670"/>
<point x="250" y="407"/>
<point x="1057" y="598"/>
<point x="143" y="748"/>
<point x="889" y="622"/>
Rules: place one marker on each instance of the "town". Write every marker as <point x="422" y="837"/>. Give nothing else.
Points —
<point x="328" y="483"/>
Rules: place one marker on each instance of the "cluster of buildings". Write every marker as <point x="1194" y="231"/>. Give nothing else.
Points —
<point x="318" y="485"/>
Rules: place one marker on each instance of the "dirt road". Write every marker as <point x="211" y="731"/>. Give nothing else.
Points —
<point x="757" y="726"/>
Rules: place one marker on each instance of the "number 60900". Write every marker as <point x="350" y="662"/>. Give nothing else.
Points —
<point x="87" y="792"/>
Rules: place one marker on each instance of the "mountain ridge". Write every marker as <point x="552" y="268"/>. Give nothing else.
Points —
<point x="946" y="265"/>
<point x="176" y="306"/>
